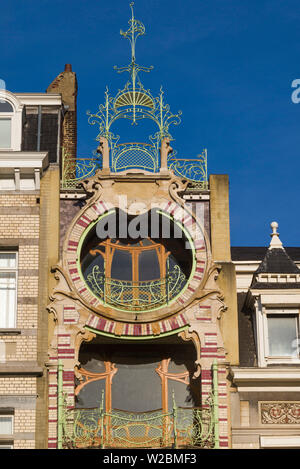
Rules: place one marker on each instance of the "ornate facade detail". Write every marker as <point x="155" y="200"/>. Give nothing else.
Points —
<point x="188" y="335"/>
<point x="280" y="413"/>
<point x="135" y="103"/>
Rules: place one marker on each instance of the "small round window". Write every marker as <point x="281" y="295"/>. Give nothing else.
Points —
<point x="133" y="268"/>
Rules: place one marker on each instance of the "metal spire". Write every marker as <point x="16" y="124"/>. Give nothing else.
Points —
<point x="135" y="30"/>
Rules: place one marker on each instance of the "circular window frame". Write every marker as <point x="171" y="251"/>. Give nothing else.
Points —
<point x="84" y="222"/>
<point x="139" y="312"/>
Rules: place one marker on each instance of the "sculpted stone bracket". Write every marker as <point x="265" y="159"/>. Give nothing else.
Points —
<point x="188" y="335"/>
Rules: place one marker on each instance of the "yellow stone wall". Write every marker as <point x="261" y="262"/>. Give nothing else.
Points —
<point x="27" y="225"/>
<point x="220" y="244"/>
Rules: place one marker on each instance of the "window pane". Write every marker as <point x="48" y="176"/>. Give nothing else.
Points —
<point x="121" y="267"/>
<point x="5" y="133"/>
<point x="7" y="260"/>
<point x="148" y="265"/>
<point x="6" y="425"/>
<point x="7" y="299"/>
<point x="5" y="106"/>
<point x="282" y="331"/>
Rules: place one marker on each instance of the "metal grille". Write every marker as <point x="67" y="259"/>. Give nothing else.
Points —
<point x="75" y="170"/>
<point x="137" y="430"/>
<point x="135" y="155"/>
<point x="195" y="427"/>
<point x="183" y="427"/>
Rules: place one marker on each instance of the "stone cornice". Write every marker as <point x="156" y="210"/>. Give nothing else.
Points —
<point x="20" y="369"/>
<point x="262" y="379"/>
<point x="23" y="160"/>
<point x="39" y="99"/>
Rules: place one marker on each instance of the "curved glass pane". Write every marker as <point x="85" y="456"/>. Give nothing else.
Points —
<point x="5" y="106"/>
<point x="90" y="261"/>
<point x="121" y="267"/>
<point x="148" y="265"/>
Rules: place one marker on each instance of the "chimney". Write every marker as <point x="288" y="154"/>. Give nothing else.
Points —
<point x="66" y="84"/>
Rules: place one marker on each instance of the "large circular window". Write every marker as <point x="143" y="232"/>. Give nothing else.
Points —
<point x="136" y="263"/>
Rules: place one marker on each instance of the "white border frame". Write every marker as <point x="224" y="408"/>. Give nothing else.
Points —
<point x="261" y="329"/>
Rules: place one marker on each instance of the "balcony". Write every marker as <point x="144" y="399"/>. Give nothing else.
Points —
<point x="134" y="156"/>
<point x="179" y="428"/>
<point x="176" y="427"/>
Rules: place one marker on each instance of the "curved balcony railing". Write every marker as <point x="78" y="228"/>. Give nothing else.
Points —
<point x="135" y="156"/>
<point x="178" y="427"/>
<point x="181" y="427"/>
<point x="75" y="170"/>
<point x="136" y="296"/>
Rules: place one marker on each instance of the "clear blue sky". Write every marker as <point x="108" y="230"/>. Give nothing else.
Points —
<point x="227" y="65"/>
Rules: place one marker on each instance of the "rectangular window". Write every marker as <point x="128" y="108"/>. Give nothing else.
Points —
<point x="283" y="335"/>
<point x="5" y="133"/>
<point x="8" y="289"/>
<point x="6" y="424"/>
<point x="6" y="428"/>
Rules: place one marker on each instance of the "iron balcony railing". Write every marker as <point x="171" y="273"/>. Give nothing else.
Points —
<point x="135" y="156"/>
<point x="180" y="427"/>
<point x="136" y="296"/>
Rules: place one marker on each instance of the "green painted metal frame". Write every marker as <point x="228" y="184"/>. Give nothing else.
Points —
<point x="216" y="404"/>
<point x="60" y="405"/>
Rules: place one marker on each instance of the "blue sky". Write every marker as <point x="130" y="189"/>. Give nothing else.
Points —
<point x="228" y="65"/>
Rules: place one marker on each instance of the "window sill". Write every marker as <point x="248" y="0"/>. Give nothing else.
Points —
<point x="10" y="331"/>
<point x="19" y="368"/>
<point x="282" y="361"/>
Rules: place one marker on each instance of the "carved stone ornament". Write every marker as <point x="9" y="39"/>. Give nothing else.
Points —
<point x="280" y="413"/>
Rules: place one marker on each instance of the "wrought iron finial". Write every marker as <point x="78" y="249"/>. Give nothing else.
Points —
<point x="135" y="30"/>
<point x="135" y="103"/>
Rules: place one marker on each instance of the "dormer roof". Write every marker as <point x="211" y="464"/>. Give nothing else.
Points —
<point x="277" y="269"/>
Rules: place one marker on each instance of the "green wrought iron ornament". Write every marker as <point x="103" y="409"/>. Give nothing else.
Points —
<point x="180" y="427"/>
<point x="136" y="296"/>
<point x="134" y="103"/>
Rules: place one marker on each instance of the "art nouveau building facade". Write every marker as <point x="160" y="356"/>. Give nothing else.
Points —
<point x="120" y="290"/>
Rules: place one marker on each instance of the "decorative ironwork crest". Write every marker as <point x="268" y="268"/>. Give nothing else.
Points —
<point x="134" y="103"/>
